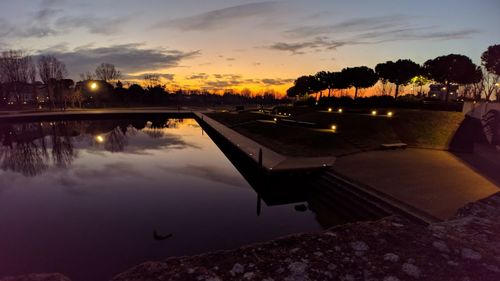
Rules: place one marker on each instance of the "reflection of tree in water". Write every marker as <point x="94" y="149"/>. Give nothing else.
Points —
<point x="26" y="158"/>
<point x="62" y="147"/>
<point x="156" y="128"/>
<point x="116" y="140"/>
<point x="21" y="151"/>
<point x="24" y="146"/>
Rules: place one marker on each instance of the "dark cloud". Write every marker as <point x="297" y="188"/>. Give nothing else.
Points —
<point x="221" y="18"/>
<point x="51" y="19"/>
<point x="355" y="24"/>
<point x="227" y="81"/>
<point x="222" y="84"/>
<point x="167" y="76"/>
<point x="228" y="76"/>
<point x="276" y="82"/>
<point x="198" y="76"/>
<point x="320" y="43"/>
<point x="127" y="57"/>
<point x="375" y="36"/>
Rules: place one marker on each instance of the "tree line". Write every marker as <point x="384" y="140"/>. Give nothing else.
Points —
<point x="447" y="70"/>
<point x="102" y="87"/>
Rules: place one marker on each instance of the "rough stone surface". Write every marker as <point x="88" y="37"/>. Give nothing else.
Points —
<point x="465" y="247"/>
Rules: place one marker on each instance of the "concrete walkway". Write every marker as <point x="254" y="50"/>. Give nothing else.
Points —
<point x="271" y="160"/>
<point x="436" y="182"/>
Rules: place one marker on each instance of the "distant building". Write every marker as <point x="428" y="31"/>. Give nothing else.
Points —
<point x="438" y="91"/>
<point x="24" y="93"/>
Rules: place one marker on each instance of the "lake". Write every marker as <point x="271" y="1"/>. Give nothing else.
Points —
<point x="91" y="198"/>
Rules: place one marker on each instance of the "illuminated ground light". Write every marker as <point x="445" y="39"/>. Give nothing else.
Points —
<point x="341" y="110"/>
<point x="374" y="112"/>
<point x="330" y="109"/>
<point x="390" y="113"/>
<point x="99" y="139"/>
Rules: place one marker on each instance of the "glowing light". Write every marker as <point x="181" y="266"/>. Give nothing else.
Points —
<point x="93" y="86"/>
<point x="444" y="89"/>
<point x="330" y="109"/>
<point x="334" y="127"/>
<point x="275" y="119"/>
<point x="99" y="139"/>
<point x="341" y="110"/>
<point x="390" y="113"/>
<point x="374" y="112"/>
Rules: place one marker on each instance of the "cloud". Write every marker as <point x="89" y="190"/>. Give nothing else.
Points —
<point x="326" y="43"/>
<point x="276" y="82"/>
<point x="228" y="81"/>
<point x="320" y="43"/>
<point x="221" y="18"/>
<point x="129" y="58"/>
<point x="351" y="25"/>
<point x="198" y="76"/>
<point x="52" y="2"/>
<point x="166" y="76"/>
<point x="95" y="25"/>
<point x="51" y="19"/>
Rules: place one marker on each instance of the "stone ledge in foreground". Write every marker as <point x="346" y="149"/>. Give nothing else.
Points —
<point x="467" y="247"/>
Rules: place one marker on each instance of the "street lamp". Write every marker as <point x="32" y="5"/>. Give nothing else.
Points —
<point x="93" y="86"/>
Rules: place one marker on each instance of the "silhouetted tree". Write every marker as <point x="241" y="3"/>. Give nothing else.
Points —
<point x="107" y="72"/>
<point x="399" y="72"/>
<point x="359" y="77"/>
<point x="17" y="69"/>
<point x="452" y="68"/>
<point x="87" y="76"/>
<point x="324" y="82"/>
<point x="304" y="85"/>
<point x="49" y="67"/>
<point x="491" y="59"/>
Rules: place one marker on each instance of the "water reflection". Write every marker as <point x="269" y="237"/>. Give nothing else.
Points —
<point x="32" y="148"/>
<point x="101" y="195"/>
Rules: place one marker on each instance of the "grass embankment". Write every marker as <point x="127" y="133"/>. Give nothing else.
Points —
<point x="356" y="131"/>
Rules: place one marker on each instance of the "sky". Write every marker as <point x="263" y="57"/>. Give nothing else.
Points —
<point x="260" y="45"/>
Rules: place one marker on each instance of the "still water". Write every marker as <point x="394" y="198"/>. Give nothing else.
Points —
<point x="84" y="198"/>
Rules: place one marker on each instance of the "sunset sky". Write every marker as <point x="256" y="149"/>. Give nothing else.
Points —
<point x="217" y="44"/>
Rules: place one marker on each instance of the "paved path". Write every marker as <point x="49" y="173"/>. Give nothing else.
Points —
<point x="271" y="160"/>
<point x="436" y="182"/>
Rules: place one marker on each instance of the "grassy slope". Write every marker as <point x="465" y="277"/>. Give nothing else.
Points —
<point x="430" y="129"/>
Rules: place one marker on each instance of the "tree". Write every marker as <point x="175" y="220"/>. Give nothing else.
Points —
<point x="17" y="70"/>
<point x="323" y="79"/>
<point x="87" y="76"/>
<point x="107" y="72"/>
<point x="359" y="77"/>
<point x="420" y="81"/>
<point x="450" y="69"/>
<point x="304" y="85"/>
<point x="399" y="72"/>
<point x="491" y="59"/>
<point x="51" y="71"/>
<point x="49" y="67"/>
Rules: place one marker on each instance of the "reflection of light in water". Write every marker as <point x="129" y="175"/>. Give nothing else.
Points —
<point x="99" y="139"/>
